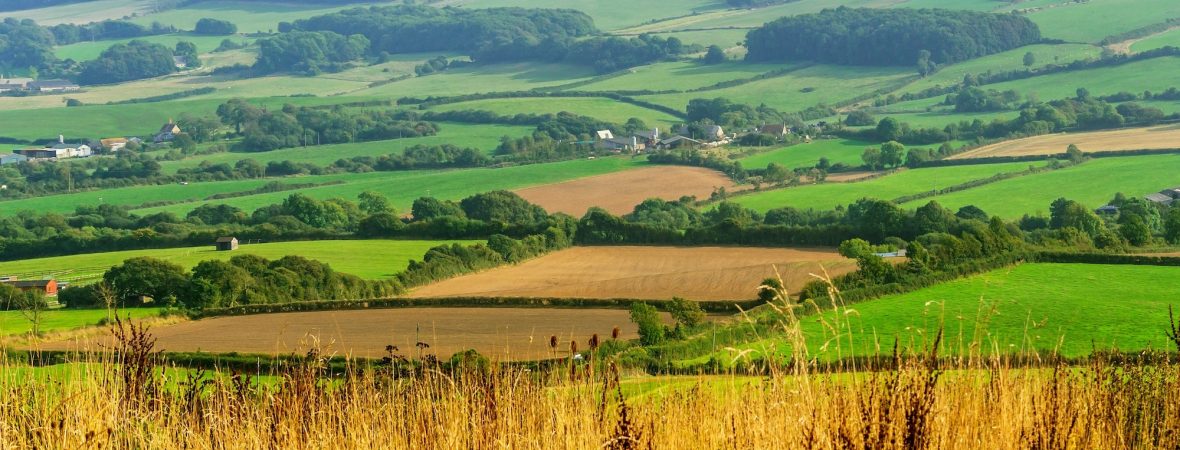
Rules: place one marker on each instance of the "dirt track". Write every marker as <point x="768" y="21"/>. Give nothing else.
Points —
<point x="1163" y="136"/>
<point x="619" y="192"/>
<point x="696" y="273"/>
<point x="502" y="333"/>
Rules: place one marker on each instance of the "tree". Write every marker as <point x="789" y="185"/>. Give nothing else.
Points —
<point x="146" y="277"/>
<point x="871" y="158"/>
<point x="1172" y="226"/>
<point x="32" y="306"/>
<point x="651" y="327"/>
<point x="184" y="143"/>
<point x="427" y="208"/>
<point x="1074" y="154"/>
<point x="971" y="212"/>
<point x="214" y="27"/>
<point x="200" y="128"/>
<point x="892" y="154"/>
<point x="188" y="51"/>
<point x="238" y="112"/>
<point x="373" y="203"/>
<point x="925" y="66"/>
<point x="685" y="312"/>
<point x="1134" y="229"/>
<point x="855" y="248"/>
<point x="714" y="55"/>
<point x="889" y="129"/>
<point x="860" y="118"/>
<point x="771" y="289"/>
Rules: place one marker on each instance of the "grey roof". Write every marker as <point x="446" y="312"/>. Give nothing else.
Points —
<point x="1158" y="198"/>
<point x="226" y="239"/>
<point x="51" y="84"/>
<point x="678" y="138"/>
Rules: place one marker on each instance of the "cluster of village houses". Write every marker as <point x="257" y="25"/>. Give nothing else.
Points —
<point x="713" y="136"/>
<point x="64" y="150"/>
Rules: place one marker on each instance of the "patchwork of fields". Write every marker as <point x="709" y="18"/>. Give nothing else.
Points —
<point x="695" y="273"/>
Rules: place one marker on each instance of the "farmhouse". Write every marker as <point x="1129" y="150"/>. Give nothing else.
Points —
<point x="113" y="144"/>
<point x="631" y="144"/>
<point x="1159" y="198"/>
<point x="167" y="132"/>
<point x="226" y="243"/>
<point x="11" y="87"/>
<point x="676" y="142"/>
<point x="47" y="287"/>
<point x="604" y="134"/>
<point x="11" y="158"/>
<point x="648" y="137"/>
<point x="52" y="86"/>
<point x="180" y="62"/>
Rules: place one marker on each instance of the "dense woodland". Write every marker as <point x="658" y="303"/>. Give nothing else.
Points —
<point x="889" y="37"/>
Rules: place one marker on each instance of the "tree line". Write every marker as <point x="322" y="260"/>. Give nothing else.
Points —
<point x="889" y="37"/>
<point x="294" y="126"/>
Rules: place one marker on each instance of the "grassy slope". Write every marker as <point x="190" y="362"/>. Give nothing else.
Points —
<point x="1171" y="37"/>
<point x="599" y="108"/>
<point x="847" y="151"/>
<point x="1004" y="62"/>
<point x="608" y="14"/>
<point x="1094" y="20"/>
<point x="250" y="17"/>
<point x="828" y="84"/>
<point x="1080" y="305"/>
<point x="829" y="195"/>
<point x="82" y="12"/>
<point x="1093" y="184"/>
<point x="482" y="79"/>
<point x="12" y="322"/>
<point x="370" y="259"/>
<point x="680" y="75"/>
<point x="1154" y="74"/>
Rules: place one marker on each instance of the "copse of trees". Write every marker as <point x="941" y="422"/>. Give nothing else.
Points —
<point x="215" y="27"/>
<point x="68" y="33"/>
<point x="25" y="44"/>
<point x="131" y="61"/>
<point x="292" y="126"/>
<point x="889" y="37"/>
<point x="309" y="52"/>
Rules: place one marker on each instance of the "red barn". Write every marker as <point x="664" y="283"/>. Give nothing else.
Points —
<point x="49" y="287"/>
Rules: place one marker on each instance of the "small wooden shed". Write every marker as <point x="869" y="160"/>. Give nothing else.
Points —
<point x="227" y="243"/>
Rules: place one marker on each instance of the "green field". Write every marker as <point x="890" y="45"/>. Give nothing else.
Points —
<point x="1155" y="74"/>
<point x="86" y="12"/>
<point x="681" y="75"/>
<point x="845" y="151"/>
<point x="12" y="322"/>
<point x="608" y="14"/>
<point x="1005" y="62"/>
<point x="1167" y="38"/>
<point x="826" y="196"/>
<point x="85" y="51"/>
<point x="598" y="108"/>
<point x="482" y="79"/>
<point x="1093" y="20"/>
<point x="250" y="17"/>
<point x="800" y="89"/>
<point x="369" y="259"/>
<point x="1093" y="184"/>
<point x="1032" y="305"/>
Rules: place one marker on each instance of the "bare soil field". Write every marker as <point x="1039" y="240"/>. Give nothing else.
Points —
<point x="620" y="192"/>
<point x="1164" y="136"/>
<point x="500" y="333"/>
<point x="695" y="273"/>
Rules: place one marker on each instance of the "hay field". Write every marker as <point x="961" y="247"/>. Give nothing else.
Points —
<point x="1163" y="136"/>
<point x="501" y="333"/>
<point x="696" y="273"/>
<point x="619" y="192"/>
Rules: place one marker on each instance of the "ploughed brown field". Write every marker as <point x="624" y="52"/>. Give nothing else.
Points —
<point x="695" y="273"/>
<point x="1163" y="136"/>
<point x="500" y="333"/>
<point x="619" y="192"/>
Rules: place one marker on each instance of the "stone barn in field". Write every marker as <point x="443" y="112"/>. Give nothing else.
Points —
<point x="227" y="243"/>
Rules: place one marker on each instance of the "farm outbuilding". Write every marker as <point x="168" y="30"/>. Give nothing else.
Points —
<point x="48" y="287"/>
<point x="227" y="243"/>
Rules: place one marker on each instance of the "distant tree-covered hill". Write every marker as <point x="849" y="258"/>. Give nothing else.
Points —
<point x="889" y="37"/>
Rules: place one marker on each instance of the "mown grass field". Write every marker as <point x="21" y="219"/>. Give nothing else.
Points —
<point x="598" y="108"/>
<point x="1091" y="21"/>
<point x="608" y="14"/>
<point x="84" y="12"/>
<point x="1155" y="74"/>
<point x="681" y="75"/>
<point x="847" y="151"/>
<point x="800" y="89"/>
<point x="370" y="259"/>
<point x="483" y="79"/>
<point x="13" y="322"/>
<point x="1004" y="62"/>
<point x="826" y="196"/>
<point x="1168" y="38"/>
<point x="1093" y="184"/>
<point x="85" y="51"/>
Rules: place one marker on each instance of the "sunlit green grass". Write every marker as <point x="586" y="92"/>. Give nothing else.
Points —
<point x="845" y="151"/>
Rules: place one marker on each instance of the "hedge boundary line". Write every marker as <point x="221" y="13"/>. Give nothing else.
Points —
<point x="721" y="306"/>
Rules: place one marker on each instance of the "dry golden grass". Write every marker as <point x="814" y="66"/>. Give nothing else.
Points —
<point x="1163" y="136"/>
<point x="620" y="192"/>
<point x="695" y="273"/>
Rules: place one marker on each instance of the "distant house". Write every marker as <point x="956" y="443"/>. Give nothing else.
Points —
<point x="47" y="287"/>
<point x="604" y="134"/>
<point x="180" y="62"/>
<point x="1173" y="192"/>
<point x="167" y="132"/>
<point x="897" y="254"/>
<point x="53" y="86"/>
<point x="113" y="144"/>
<point x="1108" y="209"/>
<point x="714" y="132"/>
<point x="227" y="243"/>
<point x="777" y="131"/>
<point x="11" y="87"/>
<point x="61" y="150"/>
<point x="12" y="158"/>
<point x="1159" y="198"/>
<point x="648" y="137"/>
<point x="36" y="153"/>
